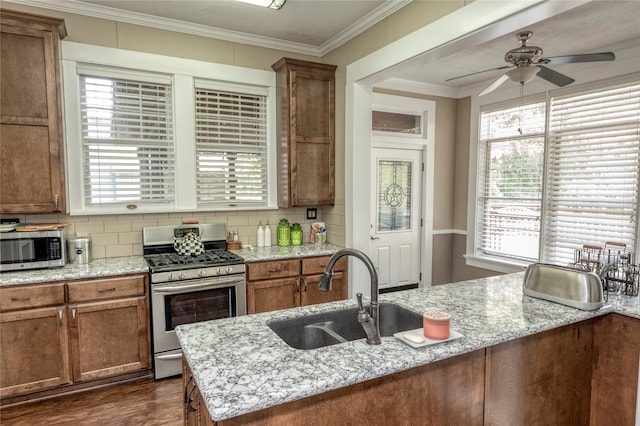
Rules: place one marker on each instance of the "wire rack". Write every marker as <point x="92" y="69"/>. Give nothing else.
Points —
<point x="613" y="263"/>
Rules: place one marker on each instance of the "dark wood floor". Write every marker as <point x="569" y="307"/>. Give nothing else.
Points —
<point x="144" y="402"/>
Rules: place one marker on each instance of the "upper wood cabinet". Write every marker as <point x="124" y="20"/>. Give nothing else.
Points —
<point x="31" y="142"/>
<point x="306" y="133"/>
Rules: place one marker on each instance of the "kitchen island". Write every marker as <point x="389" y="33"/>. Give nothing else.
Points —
<point x="241" y="366"/>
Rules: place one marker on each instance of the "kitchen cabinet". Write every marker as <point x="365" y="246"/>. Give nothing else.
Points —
<point x="283" y="284"/>
<point x="306" y="133"/>
<point x="615" y="366"/>
<point x="83" y="330"/>
<point x="34" y="345"/>
<point x="109" y="331"/>
<point x="31" y="142"/>
<point x="194" y="410"/>
<point x="542" y="379"/>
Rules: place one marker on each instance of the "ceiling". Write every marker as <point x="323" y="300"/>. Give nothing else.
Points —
<point x="597" y="26"/>
<point x="316" y="27"/>
<point x="312" y="27"/>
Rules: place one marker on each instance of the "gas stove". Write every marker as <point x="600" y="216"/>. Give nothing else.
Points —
<point x="188" y="289"/>
<point x="166" y="265"/>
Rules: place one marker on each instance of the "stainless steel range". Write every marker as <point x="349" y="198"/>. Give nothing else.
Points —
<point x="188" y="289"/>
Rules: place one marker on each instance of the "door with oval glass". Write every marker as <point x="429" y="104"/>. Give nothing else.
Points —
<point x="395" y="221"/>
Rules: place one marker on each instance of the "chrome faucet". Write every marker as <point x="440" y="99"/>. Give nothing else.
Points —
<point x="369" y="321"/>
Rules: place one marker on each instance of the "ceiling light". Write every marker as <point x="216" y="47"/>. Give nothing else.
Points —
<point x="273" y="4"/>
<point x="523" y="75"/>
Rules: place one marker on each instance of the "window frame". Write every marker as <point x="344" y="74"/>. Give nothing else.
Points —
<point x="500" y="264"/>
<point x="183" y="74"/>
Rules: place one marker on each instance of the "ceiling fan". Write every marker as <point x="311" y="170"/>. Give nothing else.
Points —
<point x="526" y="62"/>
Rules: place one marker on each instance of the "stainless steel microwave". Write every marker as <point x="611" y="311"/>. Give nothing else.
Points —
<point x="32" y="250"/>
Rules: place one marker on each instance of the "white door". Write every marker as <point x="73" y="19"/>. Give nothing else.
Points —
<point x="395" y="215"/>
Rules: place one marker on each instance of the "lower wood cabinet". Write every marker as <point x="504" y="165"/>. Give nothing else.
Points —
<point x="34" y="353"/>
<point x="288" y="283"/>
<point x="95" y="329"/>
<point x="109" y="327"/>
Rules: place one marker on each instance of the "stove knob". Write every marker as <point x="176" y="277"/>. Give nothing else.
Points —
<point x="171" y="277"/>
<point x="201" y="273"/>
<point x="219" y="271"/>
<point x="183" y="276"/>
<point x="229" y="269"/>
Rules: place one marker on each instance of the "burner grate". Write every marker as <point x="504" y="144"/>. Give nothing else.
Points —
<point x="174" y="261"/>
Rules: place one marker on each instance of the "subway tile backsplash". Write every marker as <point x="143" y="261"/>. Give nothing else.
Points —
<point x="121" y="235"/>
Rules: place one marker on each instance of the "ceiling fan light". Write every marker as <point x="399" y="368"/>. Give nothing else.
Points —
<point x="272" y="4"/>
<point x="522" y="75"/>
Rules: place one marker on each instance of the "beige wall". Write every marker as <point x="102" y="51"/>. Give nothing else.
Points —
<point x="118" y="235"/>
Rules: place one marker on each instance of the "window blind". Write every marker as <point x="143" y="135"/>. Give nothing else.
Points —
<point x="593" y="166"/>
<point x="127" y="140"/>
<point x="510" y="187"/>
<point x="231" y="147"/>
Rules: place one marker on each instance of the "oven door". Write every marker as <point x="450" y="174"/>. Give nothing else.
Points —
<point x="177" y="303"/>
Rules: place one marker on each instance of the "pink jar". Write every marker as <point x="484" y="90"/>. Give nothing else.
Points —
<point x="436" y="325"/>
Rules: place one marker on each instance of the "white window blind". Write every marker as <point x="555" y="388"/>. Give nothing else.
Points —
<point x="510" y="185"/>
<point x="127" y="140"/>
<point x="231" y="147"/>
<point x="593" y="166"/>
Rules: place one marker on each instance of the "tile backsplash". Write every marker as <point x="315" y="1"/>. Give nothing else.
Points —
<point x="121" y="235"/>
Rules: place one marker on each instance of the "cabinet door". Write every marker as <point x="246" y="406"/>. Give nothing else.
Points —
<point x="271" y="295"/>
<point x="542" y="379"/>
<point x="31" y="157"/>
<point x="310" y="294"/>
<point x="109" y="338"/>
<point x="614" y="386"/>
<point x="33" y="350"/>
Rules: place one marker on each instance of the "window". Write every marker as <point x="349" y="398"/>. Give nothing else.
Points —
<point x="511" y="186"/>
<point x="148" y="133"/>
<point x="592" y="184"/>
<point x="588" y="193"/>
<point x="127" y="140"/>
<point x="231" y="147"/>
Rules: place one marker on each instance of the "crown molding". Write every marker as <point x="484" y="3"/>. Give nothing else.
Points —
<point x="104" y="12"/>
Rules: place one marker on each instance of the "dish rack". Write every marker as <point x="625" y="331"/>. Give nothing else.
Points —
<point x="613" y="263"/>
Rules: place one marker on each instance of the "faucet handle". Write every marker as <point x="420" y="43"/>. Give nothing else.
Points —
<point x="359" y="298"/>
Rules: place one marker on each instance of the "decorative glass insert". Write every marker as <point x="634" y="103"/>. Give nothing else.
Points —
<point x="397" y="123"/>
<point x="394" y="195"/>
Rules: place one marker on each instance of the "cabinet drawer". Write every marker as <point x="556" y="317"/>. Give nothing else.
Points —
<point x="109" y="288"/>
<point x="316" y="265"/>
<point x="31" y="296"/>
<point x="273" y="269"/>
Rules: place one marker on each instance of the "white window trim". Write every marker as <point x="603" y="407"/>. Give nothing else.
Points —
<point x="495" y="263"/>
<point x="182" y="72"/>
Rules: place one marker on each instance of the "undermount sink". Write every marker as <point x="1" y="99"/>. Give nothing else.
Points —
<point x="339" y="326"/>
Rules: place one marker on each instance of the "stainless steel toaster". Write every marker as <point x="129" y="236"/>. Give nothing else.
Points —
<point x="568" y="286"/>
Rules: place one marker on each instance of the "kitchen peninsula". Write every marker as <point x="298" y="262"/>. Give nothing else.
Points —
<point x="519" y="357"/>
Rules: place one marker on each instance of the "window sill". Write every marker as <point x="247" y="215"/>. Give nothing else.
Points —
<point x="495" y="264"/>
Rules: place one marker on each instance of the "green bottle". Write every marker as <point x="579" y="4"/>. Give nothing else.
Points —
<point x="296" y="234"/>
<point x="284" y="233"/>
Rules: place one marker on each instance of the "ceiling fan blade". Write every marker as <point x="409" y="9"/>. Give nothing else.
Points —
<point x="554" y="77"/>
<point x="479" y="72"/>
<point x="587" y="57"/>
<point x="493" y="86"/>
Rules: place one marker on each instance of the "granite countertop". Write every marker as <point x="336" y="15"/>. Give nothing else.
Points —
<point x="136" y="264"/>
<point x="240" y="365"/>
<point x="258" y="254"/>
<point x="96" y="268"/>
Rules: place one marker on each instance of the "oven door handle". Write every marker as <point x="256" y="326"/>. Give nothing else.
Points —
<point x="187" y="287"/>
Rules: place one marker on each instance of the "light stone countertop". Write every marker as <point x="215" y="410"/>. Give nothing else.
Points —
<point x="258" y="254"/>
<point x="112" y="266"/>
<point x="240" y="365"/>
<point x="109" y="266"/>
